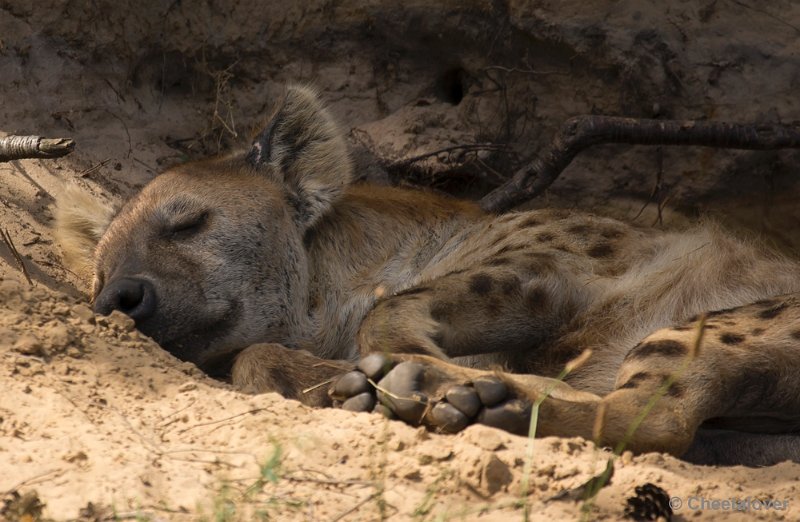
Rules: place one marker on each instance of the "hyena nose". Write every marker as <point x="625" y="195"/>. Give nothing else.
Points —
<point x="133" y="297"/>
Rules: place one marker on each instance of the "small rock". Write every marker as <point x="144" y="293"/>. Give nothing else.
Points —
<point x="435" y="450"/>
<point x="496" y="475"/>
<point x="10" y="286"/>
<point x="59" y="336"/>
<point x="84" y="313"/>
<point x="485" y="438"/>
<point x="76" y="456"/>
<point x="187" y="386"/>
<point x="60" y="309"/>
<point x="121" y="321"/>
<point x="74" y="352"/>
<point x="627" y="457"/>
<point x="27" y="344"/>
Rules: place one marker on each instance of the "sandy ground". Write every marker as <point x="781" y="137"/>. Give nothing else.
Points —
<point x="99" y="423"/>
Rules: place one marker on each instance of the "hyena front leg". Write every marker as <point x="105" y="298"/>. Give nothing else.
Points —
<point x="503" y="310"/>
<point x="295" y="374"/>
<point x="472" y="312"/>
<point x="741" y="375"/>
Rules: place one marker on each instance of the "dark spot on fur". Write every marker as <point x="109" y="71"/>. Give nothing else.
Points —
<point x="601" y="250"/>
<point x="545" y="237"/>
<point x="795" y="335"/>
<point x="511" y="248"/>
<point x="563" y="248"/>
<point x="480" y="284"/>
<point x="612" y="233"/>
<point x="731" y="338"/>
<point x="536" y="298"/>
<point x="635" y="380"/>
<point x="665" y="348"/>
<point x="675" y="390"/>
<point x="493" y="306"/>
<point x="757" y="331"/>
<point x="440" y="310"/>
<point x="530" y="222"/>
<point x="499" y="261"/>
<point x="414" y="290"/>
<point x="766" y="302"/>
<point x="578" y="229"/>
<point x="391" y="304"/>
<point x="773" y="311"/>
<point x="509" y="286"/>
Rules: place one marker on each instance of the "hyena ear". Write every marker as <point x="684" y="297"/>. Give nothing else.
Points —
<point x="80" y="222"/>
<point x="303" y="148"/>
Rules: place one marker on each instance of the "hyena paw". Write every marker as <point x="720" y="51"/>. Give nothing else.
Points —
<point x="419" y="390"/>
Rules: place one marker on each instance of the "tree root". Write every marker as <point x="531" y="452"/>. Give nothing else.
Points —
<point x="582" y="132"/>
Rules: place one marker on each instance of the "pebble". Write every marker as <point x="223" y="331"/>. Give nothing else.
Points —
<point x="121" y="321"/>
<point x="84" y="313"/>
<point x="27" y="344"/>
<point x="187" y="386"/>
<point x="59" y="336"/>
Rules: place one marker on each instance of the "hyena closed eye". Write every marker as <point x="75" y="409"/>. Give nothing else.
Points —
<point x="259" y="265"/>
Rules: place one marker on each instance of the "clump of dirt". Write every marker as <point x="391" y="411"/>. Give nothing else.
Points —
<point x="97" y="422"/>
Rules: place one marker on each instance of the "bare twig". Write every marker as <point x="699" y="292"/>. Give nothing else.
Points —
<point x="582" y="132"/>
<point x="354" y="508"/>
<point x="24" y="147"/>
<point x="14" y="252"/>
<point x="86" y="172"/>
<point x="469" y="147"/>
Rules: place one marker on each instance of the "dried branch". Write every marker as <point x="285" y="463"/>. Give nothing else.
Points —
<point x="468" y="147"/>
<point x="15" y="253"/>
<point x="582" y="132"/>
<point x="24" y="147"/>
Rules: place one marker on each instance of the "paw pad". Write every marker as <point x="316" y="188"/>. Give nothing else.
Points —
<point x="403" y="390"/>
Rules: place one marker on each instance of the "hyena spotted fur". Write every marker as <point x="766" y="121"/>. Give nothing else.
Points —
<point x="270" y="268"/>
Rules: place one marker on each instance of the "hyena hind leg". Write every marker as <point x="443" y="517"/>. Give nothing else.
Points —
<point x="742" y="378"/>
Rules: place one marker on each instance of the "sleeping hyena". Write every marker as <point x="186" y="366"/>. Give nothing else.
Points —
<point x="270" y="268"/>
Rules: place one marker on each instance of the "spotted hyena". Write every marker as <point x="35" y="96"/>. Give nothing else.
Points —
<point x="270" y="268"/>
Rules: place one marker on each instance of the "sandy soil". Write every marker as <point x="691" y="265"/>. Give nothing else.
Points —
<point x="99" y="423"/>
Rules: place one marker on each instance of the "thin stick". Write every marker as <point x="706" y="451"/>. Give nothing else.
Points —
<point x="470" y="147"/>
<point x="25" y="147"/>
<point x="581" y="132"/>
<point x="354" y="508"/>
<point x="18" y="258"/>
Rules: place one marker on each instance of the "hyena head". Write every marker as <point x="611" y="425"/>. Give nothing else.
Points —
<point x="208" y="258"/>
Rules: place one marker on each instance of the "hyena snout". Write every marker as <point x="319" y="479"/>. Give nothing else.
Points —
<point x="134" y="297"/>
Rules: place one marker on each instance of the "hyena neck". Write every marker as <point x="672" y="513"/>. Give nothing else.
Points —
<point x="373" y="243"/>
